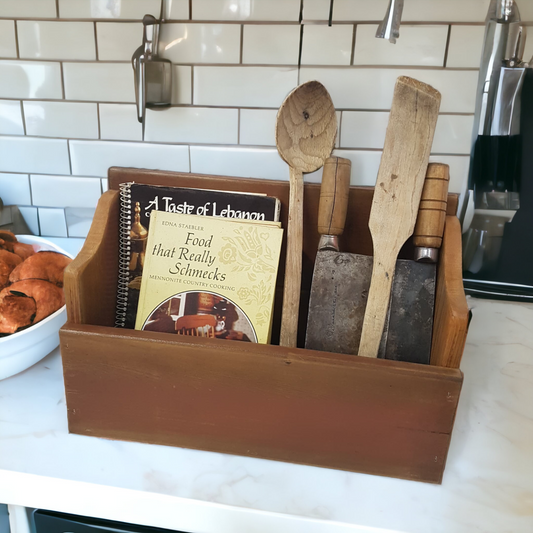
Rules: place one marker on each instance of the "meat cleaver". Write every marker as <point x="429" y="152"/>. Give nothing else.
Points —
<point x="341" y="280"/>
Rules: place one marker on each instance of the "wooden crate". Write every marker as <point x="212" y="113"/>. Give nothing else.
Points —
<point x="288" y="404"/>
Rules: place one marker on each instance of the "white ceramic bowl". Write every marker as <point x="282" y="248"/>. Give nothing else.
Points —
<point x="21" y="350"/>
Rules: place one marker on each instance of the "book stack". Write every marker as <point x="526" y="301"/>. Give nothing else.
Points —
<point x="198" y="262"/>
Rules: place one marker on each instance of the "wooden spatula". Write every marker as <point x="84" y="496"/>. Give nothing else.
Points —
<point x="412" y="121"/>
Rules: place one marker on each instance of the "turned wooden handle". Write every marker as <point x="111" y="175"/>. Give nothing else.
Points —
<point x="432" y="211"/>
<point x="293" y="262"/>
<point x="334" y="193"/>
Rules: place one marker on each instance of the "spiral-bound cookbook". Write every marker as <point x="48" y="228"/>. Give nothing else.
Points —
<point x="138" y="200"/>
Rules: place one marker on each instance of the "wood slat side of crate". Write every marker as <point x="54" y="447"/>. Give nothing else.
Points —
<point x="331" y="410"/>
<point x="451" y="309"/>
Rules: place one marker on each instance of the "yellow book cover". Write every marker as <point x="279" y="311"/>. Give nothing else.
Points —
<point x="209" y="277"/>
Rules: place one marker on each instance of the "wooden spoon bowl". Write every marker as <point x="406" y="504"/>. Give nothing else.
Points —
<point x="306" y="128"/>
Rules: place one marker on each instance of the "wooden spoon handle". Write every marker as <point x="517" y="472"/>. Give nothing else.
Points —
<point x="293" y="262"/>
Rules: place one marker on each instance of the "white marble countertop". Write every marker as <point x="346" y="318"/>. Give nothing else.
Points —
<point x="487" y="487"/>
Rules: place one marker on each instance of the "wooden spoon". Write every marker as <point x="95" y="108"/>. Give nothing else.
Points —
<point x="306" y="127"/>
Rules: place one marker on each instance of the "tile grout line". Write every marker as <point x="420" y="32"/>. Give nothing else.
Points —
<point x="190" y="10"/>
<point x="23" y="116"/>
<point x="256" y="65"/>
<point x="62" y="80"/>
<point x="354" y="34"/>
<point x="96" y="43"/>
<point x="17" y="38"/>
<point x="98" y="121"/>
<point x="239" y="126"/>
<point x="447" y="47"/>
<point x="192" y="86"/>
<point x="69" y="156"/>
<point x="57" y="8"/>
<point x="256" y="22"/>
<point x="241" y="51"/>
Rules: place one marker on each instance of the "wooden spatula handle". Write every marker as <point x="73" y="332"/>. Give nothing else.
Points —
<point x="293" y="262"/>
<point x="432" y="211"/>
<point x="334" y="193"/>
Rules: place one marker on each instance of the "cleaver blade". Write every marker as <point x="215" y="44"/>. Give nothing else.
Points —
<point x="410" y="322"/>
<point x="341" y="282"/>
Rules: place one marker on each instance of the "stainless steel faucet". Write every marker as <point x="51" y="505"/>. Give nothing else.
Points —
<point x="390" y="26"/>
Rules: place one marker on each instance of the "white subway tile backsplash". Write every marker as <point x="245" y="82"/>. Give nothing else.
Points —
<point x="193" y="125"/>
<point x="364" y="171"/>
<point x="32" y="155"/>
<point x="119" y="122"/>
<point x="8" y="45"/>
<point x="327" y="45"/>
<point x="30" y="79"/>
<point x="270" y="10"/>
<point x="363" y="129"/>
<point x="45" y="39"/>
<point x="258" y="127"/>
<point x="243" y="162"/>
<point x="200" y="43"/>
<point x="65" y="191"/>
<point x="466" y="43"/>
<point x="78" y="221"/>
<point x="177" y="10"/>
<point x="316" y="10"/>
<point x="108" y="9"/>
<point x="31" y="217"/>
<point x="243" y="86"/>
<point x="359" y="10"/>
<point x="93" y="158"/>
<point x="447" y="11"/>
<point x="271" y="45"/>
<point x="453" y="134"/>
<point x="367" y="88"/>
<point x="118" y="40"/>
<point x="418" y="46"/>
<point x="104" y="82"/>
<point x="15" y="189"/>
<point x="526" y="11"/>
<point x="52" y="222"/>
<point x="11" y="118"/>
<point x="28" y="8"/>
<point x="181" y="84"/>
<point x="61" y="119"/>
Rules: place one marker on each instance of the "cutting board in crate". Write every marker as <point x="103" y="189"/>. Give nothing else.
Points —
<point x="289" y="404"/>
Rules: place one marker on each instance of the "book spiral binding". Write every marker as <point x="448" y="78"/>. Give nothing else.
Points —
<point x="124" y="255"/>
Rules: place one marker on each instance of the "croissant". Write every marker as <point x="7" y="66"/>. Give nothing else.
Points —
<point x="15" y="312"/>
<point x="8" y="261"/>
<point x="42" y="265"/>
<point x="23" y="250"/>
<point x="47" y="296"/>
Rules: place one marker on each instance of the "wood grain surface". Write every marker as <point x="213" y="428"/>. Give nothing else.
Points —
<point x="432" y="211"/>
<point x="451" y="309"/>
<point x="374" y="416"/>
<point x="408" y="141"/>
<point x="306" y="128"/>
<point x="334" y="194"/>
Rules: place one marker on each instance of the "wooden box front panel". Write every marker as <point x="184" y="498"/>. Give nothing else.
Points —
<point x="371" y="416"/>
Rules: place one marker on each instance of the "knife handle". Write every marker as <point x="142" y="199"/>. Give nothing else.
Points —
<point x="432" y="211"/>
<point x="334" y="192"/>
